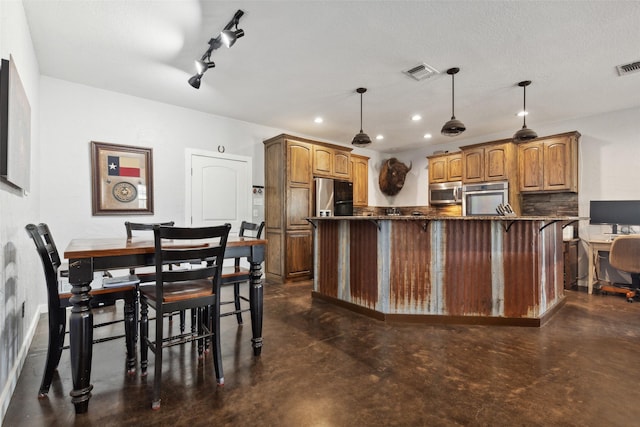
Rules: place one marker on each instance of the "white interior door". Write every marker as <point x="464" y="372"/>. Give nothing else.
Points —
<point x="220" y="189"/>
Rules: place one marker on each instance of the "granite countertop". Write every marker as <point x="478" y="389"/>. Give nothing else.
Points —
<point x="442" y="217"/>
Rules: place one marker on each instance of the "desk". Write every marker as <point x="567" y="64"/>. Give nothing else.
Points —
<point x="88" y="255"/>
<point x="596" y="246"/>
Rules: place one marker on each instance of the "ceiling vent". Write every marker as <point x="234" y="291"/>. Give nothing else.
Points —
<point x="625" y="69"/>
<point x="421" y="72"/>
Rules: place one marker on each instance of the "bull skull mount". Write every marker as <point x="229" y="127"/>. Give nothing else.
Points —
<point x="392" y="176"/>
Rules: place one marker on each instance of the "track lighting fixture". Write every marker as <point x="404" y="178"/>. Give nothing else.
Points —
<point x="524" y="134"/>
<point x="227" y="38"/>
<point x="454" y="126"/>
<point x="361" y="139"/>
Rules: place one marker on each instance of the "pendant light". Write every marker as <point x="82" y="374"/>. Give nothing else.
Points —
<point x="454" y="126"/>
<point x="361" y="139"/>
<point x="524" y="134"/>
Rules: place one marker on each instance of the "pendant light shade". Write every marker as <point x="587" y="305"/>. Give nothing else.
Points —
<point x="361" y="139"/>
<point x="454" y="126"/>
<point x="524" y="134"/>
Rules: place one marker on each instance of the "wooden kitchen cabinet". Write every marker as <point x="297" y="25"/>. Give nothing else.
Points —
<point x="494" y="161"/>
<point x="445" y="168"/>
<point x="570" y="253"/>
<point x="290" y="166"/>
<point x="549" y="164"/>
<point x="331" y="163"/>
<point x="360" y="176"/>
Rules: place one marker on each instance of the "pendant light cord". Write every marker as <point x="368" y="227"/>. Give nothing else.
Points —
<point x="453" y="102"/>
<point x="524" y="108"/>
<point x="361" y="113"/>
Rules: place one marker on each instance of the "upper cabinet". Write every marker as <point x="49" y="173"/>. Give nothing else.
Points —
<point x="331" y="162"/>
<point x="445" y="167"/>
<point x="360" y="175"/>
<point x="299" y="162"/>
<point x="494" y="161"/>
<point x="549" y="164"/>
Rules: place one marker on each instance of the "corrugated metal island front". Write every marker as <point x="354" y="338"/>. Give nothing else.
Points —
<point x="477" y="270"/>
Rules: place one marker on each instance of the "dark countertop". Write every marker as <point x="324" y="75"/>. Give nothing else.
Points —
<point x="441" y="217"/>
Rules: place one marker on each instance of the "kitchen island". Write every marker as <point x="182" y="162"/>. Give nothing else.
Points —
<point x="434" y="269"/>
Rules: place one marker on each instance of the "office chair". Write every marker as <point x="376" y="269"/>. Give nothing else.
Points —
<point x="625" y="256"/>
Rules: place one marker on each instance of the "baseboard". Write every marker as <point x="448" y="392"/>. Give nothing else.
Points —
<point x="16" y="369"/>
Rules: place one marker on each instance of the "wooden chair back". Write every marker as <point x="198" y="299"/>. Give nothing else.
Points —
<point x="139" y="226"/>
<point x="625" y="253"/>
<point x="169" y="250"/>
<point x="46" y="247"/>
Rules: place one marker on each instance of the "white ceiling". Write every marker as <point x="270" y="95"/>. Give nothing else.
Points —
<point x="302" y="59"/>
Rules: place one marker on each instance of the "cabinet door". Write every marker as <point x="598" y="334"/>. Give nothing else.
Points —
<point x="299" y="163"/>
<point x="454" y="167"/>
<point x="557" y="164"/>
<point x="298" y="207"/>
<point x="342" y="165"/>
<point x="473" y="165"/>
<point x="299" y="262"/>
<point x="495" y="163"/>
<point x="360" y="175"/>
<point x="323" y="160"/>
<point x="437" y="169"/>
<point x="530" y="164"/>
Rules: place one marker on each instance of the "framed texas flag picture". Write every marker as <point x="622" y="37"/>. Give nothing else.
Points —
<point x="122" y="179"/>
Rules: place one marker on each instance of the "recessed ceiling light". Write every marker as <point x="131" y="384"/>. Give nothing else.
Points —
<point x="416" y="117"/>
<point x="318" y="120"/>
<point x="379" y="137"/>
<point x="522" y="113"/>
<point x="427" y="136"/>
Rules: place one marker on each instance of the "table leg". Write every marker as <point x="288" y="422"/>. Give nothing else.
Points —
<point x="80" y="338"/>
<point x="592" y="260"/>
<point x="255" y="302"/>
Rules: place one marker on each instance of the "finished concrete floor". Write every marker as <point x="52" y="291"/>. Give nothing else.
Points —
<point x="322" y="365"/>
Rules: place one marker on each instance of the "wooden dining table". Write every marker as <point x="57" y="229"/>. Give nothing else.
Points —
<point x="100" y="254"/>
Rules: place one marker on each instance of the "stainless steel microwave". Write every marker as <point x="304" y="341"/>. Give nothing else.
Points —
<point x="483" y="199"/>
<point x="445" y="193"/>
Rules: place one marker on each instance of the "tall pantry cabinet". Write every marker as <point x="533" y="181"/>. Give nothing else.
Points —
<point x="290" y="165"/>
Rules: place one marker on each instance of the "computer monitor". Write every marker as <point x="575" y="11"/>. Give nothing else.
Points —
<point x="614" y="213"/>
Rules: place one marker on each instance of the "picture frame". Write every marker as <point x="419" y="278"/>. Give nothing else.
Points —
<point x="122" y="178"/>
<point x="15" y="128"/>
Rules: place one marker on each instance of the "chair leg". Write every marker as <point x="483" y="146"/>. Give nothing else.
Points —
<point x="57" y="329"/>
<point x="144" y="335"/>
<point x="183" y="320"/>
<point x="130" y="334"/>
<point x="157" y="374"/>
<point x="214" y="323"/>
<point x="194" y="316"/>
<point x="236" y="301"/>
<point x="201" y="315"/>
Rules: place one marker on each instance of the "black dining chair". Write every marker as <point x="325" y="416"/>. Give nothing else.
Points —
<point x="147" y="275"/>
<point x="58" y="303"/>
<point x="181" y="289"/>
<point x="236" y="275"/>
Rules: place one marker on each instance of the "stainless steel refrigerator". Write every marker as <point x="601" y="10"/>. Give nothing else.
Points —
<point x="333" y="197"/>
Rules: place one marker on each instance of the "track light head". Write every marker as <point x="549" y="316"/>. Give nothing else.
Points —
<point x="229" y="37"/>
<point x="195" y="81"/>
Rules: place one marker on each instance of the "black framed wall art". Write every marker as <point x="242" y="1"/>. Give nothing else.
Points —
<point x="122" y="179"/>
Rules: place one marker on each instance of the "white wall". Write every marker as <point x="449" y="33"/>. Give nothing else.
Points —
<point x="21" y="279"/>
<point x="73" y="115"/>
